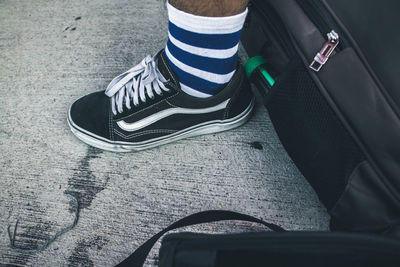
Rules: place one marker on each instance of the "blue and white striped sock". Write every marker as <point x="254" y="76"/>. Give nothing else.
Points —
<point x="202" y="51"/>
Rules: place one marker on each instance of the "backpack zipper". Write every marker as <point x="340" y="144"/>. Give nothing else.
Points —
<point x="319" y="16"/>
<point x="323" y="55"/>
<point x="324" y="22"/>
<point x="322" y="19"/>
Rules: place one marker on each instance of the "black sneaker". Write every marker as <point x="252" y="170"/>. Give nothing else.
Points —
<point x="145" y="107"/>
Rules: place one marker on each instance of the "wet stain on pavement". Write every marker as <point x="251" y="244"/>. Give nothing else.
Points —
<point x="80" y="254"/>
<point x="33" y="234"/>
<point x="83" y="184"/>
<point x="29" y="237"/>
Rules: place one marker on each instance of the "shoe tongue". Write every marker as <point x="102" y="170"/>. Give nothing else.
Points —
<point x="165" y="69"/>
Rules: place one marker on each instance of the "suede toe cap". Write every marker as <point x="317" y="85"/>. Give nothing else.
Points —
<point x="91" y="113"/>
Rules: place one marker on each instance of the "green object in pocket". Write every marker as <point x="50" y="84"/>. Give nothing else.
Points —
<point x="256" y="62"/>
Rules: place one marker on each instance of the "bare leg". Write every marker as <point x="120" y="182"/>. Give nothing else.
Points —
<point x="211" y="8"/>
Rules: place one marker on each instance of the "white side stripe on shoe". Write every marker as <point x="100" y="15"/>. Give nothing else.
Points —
<point x="137" y="125"/>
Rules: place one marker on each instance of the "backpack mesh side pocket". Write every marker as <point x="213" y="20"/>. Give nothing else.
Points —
<point x="312" y="134"/>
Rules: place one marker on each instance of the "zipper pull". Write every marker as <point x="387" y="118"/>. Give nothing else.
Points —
<point x="323" y="55"/>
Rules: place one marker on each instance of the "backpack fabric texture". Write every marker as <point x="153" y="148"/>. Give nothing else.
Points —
<point x="340" y="123"/>
<point x="278" y="248"/>
<point x="310" y="249"/>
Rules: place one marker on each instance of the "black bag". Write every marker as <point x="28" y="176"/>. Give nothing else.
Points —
<point x="265" y="248"/>
<point x="329" y="74"/>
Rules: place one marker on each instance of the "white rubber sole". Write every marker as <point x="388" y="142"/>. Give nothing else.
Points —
<point x="199" y="129"/>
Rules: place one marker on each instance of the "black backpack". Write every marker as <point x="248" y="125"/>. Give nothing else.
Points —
<point x="329" y="74"/>
<point x="276" y="249"/>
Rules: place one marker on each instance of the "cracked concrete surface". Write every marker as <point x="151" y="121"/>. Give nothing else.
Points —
<point x="51" y="53"/>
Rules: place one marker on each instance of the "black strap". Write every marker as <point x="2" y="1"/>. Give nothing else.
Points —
<point x="138" y="257"/>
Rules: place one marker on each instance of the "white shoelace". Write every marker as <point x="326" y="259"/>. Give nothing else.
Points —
<point x="144" y="78"/>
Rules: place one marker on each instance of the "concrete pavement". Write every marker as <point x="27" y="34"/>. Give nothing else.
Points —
<point x="51" y="53"/>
